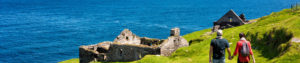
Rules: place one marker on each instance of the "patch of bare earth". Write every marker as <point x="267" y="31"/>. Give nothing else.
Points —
<point x="297" y="40"/>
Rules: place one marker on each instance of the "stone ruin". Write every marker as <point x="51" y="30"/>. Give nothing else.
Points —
<point x="130" y="47"/>
<point x="230" y="19"/>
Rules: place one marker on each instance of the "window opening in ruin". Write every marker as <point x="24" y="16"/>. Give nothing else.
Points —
<point x="150" y="44"/>
<point x="121" y="52"/>
<point x="230" y="19"/>
<point x="140" y="56"/>
<point x="126" y="38"/>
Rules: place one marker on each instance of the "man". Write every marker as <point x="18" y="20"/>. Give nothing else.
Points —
<point x="217" y="49"/>
<point x="243" y="48"/>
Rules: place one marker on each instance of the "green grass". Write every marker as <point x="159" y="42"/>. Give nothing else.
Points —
<point x="270" y="38"/>
<point x="74" y="60"/>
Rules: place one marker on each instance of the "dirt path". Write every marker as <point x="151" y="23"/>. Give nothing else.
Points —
<point x="297" y="40"/>
<point x="290" y="18"/>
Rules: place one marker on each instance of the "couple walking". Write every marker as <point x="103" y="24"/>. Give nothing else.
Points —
<point x="219" y="45"/>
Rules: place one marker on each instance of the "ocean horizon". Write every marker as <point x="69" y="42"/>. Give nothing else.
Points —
<point x="49" y="31"/>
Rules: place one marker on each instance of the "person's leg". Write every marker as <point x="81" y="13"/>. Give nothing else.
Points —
<point x="216" y="60"/>
<point x="238" y="61"/>
<point x="222" y="61"/>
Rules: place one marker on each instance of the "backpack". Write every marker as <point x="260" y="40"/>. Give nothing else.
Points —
<point x="244" y="51"/>
<point x="219" y="50"/>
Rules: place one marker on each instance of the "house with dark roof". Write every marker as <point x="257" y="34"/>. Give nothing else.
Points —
<point x="230" y="19"/>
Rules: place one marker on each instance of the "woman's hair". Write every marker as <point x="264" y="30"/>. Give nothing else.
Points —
<point x="242" y="35"/>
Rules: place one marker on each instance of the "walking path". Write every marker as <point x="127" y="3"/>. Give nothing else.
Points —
<point x="297" y="40"/>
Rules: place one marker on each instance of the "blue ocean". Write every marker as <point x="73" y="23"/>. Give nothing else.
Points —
<point x="50" y="31"/>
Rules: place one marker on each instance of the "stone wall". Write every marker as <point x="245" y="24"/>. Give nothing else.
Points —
<point x="171" y="44"/>
<point x="129" y="47"/>
<point x="119" y="52"/>
<point x="116" y="52"/>
<point x="151" y="41"/>
<point x="127" y="37"/>
<point x="175" y="32"/>
<point x="87" y="54"/>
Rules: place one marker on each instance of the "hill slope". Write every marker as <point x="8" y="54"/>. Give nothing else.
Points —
<point x="270" y="37"/>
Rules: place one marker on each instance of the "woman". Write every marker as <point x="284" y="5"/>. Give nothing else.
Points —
<point x="243" y="48"/>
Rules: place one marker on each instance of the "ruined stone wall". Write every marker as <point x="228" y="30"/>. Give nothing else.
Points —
<point x="151" y="41"/>
<point x="87" y="54"/>
<point x="175" y="32"/>
<point x="215" y="28"/>
<point x="129" y="47"/>
<point x="115" y="52"/>
<point x="127" y="37"/>
<point x="119" y="52"/>
<point x="171" y="44"/>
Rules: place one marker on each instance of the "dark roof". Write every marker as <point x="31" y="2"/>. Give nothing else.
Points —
<point x="230" y="14"/>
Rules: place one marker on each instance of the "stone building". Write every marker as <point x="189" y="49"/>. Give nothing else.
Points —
<point x="230" y="19"/>
<point x="129" y="47"/>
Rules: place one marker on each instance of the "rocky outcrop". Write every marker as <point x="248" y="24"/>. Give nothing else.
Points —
<point x="129" y="47"/>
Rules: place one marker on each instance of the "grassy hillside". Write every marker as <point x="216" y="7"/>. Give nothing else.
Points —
<point x="270" y="37"/>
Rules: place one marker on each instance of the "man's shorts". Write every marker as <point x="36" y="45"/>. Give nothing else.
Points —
<point x="218" y="60"/>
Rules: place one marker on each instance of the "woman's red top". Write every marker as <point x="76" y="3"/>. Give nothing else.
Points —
<point x="237" y="50"/>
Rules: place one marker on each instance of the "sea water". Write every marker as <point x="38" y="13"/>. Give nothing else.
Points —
<point x="49" y="31"/>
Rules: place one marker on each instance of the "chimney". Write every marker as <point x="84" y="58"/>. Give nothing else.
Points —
<point x="175" y="32"/>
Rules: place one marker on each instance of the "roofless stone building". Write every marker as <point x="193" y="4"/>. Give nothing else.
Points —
<point x="230" y="19"/>
<point x="129" y="47"/>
